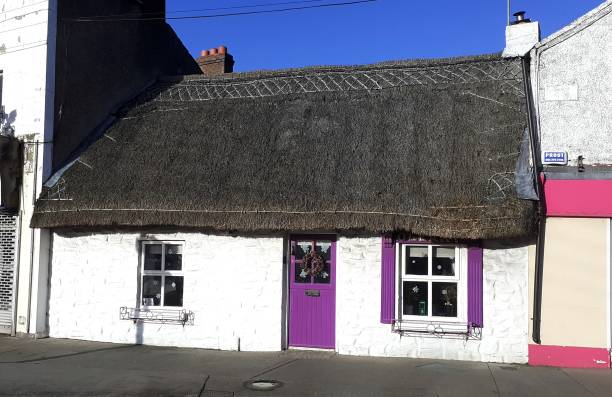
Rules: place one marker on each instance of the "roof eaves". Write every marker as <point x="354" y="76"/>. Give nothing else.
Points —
<point x="577" y="26"/>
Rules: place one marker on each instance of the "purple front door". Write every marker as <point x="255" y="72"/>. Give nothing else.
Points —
<point x="312" y="292"/>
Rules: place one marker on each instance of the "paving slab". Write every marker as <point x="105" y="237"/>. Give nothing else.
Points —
<point x="526" y="381"/>
<point x="596" y="381"/>
<point x="40" y="379"/>
<point x="67" y="367"/>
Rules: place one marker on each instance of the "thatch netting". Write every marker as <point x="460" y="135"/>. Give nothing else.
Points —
<point x="432" y="155"/>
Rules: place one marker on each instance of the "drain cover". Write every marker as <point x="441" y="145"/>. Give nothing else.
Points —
<point x="262" y="384"/>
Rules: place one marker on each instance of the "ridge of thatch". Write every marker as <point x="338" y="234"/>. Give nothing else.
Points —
<point x="428" y="148"/>
<point x="427" y="63"/>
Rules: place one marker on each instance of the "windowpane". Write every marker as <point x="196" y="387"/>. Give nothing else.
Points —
<point x="416" y="260"/>
<point x="323" y="248"/>
<point x="324" y="276"/>
<point x="151" y="290"/>
<point x="415" y="298"/>
<point x="300" y="275"/>
<point x="443" y="261"/>
<point x="444" y="299"/>
<point x="152" y="256"/>
<point x="301" y="248"/>
<point x="174" y="257"/>
<point x="173" y="291"/>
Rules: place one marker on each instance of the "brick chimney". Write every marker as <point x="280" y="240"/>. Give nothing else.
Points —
<point x="216" y="61"/>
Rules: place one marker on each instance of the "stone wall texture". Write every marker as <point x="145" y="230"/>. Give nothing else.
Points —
<point x="572" y="79"/>
<point x="234" y="286"/>
<point x="359" y="331"/>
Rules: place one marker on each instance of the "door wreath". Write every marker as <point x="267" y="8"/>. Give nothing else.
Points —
<point x="313" y="265"/>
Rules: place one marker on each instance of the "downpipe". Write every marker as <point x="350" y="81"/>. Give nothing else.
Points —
<point x="32" y="241"/>
<point x="537" y="170"/>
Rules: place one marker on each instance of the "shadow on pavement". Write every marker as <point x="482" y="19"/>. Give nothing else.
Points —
<point x="43" y="358"/>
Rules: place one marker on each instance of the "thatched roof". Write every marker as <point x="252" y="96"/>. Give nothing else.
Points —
<point x="426" y="147"/>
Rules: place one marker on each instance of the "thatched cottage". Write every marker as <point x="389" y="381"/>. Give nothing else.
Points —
<point x="372" y="210"/>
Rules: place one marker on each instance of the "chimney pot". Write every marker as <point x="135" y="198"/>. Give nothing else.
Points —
<point x="520" y="18"/>
<point x="216" y="61"/>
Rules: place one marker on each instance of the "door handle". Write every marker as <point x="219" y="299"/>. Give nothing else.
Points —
<point x="313" y="292"/>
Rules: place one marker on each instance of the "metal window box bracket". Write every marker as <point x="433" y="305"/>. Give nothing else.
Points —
<point x="439" y="329"/>
<point x="155" y="315"/>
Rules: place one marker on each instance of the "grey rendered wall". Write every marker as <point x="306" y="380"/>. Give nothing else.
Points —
<point x="572" y="81"/>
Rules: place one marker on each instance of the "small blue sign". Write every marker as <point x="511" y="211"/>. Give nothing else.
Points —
<point x="558" y="158"/>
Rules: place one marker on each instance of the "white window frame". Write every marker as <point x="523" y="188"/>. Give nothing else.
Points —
<point x="160" y="273"/>
<point x="460" y="278"/>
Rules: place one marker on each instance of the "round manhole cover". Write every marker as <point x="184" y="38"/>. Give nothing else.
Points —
<point x="262" y="384"/>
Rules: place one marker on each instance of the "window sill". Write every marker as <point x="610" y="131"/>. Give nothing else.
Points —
<point x="157" y="315"/>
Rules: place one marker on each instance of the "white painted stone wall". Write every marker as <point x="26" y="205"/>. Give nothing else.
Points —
<point x="27" y="60"/>
<point x="359" y="331"/>
<point x="572" y="81"/>
<point x="521" y="38"/>
<point x="232" y="284"/>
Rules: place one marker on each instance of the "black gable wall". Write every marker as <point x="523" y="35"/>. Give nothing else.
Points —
<point x="102" y="64"/>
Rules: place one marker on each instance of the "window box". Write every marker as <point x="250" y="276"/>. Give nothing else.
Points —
<point x="164" y="316"/>
<point x="432" y="327"/>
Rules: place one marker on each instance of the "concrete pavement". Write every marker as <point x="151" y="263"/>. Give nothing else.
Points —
<point x="66" y="367"/>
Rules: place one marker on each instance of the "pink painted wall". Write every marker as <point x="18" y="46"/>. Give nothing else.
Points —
<point x="569" y="356"/>
<point x="583" y="198"/>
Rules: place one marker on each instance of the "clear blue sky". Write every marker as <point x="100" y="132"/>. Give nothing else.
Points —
<point x="363" y="33"/>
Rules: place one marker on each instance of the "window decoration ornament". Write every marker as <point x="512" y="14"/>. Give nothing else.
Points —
<point x="313" y="265"/>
